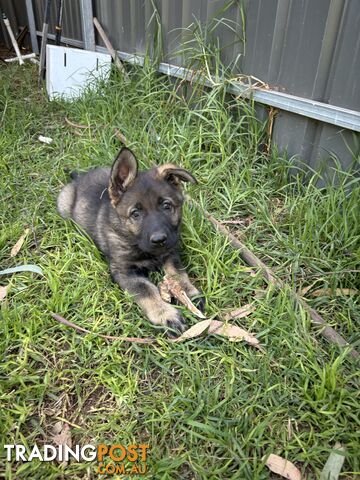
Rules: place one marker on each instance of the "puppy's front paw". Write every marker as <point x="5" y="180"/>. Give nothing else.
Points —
<point x="175" y="325"/>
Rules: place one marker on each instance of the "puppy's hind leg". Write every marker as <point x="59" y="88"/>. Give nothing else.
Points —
<point x="66" y="200"/>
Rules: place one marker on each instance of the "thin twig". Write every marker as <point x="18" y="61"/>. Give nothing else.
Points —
<point x="327" y="332"/>
<point x="75" y="125"/>
<point x="63" y="320"/>
<point x="120" y="136"/>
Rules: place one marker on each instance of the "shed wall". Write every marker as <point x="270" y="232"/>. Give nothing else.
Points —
<point x="302" y="47"/>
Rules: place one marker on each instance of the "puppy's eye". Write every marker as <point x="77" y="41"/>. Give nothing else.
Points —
<point x="167" y="205"/>
<point x="135" y="213"/>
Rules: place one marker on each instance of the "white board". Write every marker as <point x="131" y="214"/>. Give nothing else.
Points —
<point x="69" y="70"/>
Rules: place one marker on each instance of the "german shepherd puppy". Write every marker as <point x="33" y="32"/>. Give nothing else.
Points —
<point x="134" y="219"/>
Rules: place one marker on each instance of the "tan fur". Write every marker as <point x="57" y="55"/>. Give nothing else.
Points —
<point x="177" y="174"/>
<point x="65" y="201"/>
<point x="162" y="170"/>
<point x="114" y="196"/>
<point x="157" y="311"/>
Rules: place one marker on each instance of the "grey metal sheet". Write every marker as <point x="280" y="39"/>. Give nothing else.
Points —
<point x="306" y="48"/>
<point x="16" y="13"/>
<point x="71" y="17"/>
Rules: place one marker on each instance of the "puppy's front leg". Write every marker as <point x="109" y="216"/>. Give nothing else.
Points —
<point x="174" y="268"/>
<point x="147" y="296"/>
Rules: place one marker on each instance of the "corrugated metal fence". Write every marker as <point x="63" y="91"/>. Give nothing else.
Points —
<point x="305" y="48"/>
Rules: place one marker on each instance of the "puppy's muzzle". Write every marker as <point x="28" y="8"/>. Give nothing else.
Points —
<point x="158" y="239"/>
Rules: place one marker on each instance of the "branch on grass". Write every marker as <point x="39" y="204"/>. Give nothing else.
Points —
<point x="215" y="327"/>
<point x="76" y="125"/>
<point x="63" y="320"/>
<point x="110" y="48"/>
<point x="327" y="332"/>
<point x="117" y="132"/>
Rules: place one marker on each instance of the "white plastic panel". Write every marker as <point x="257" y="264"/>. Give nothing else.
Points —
<point x="69" y="70"/>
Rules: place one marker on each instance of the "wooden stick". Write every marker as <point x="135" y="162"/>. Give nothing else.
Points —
<point x="327" y="332"/>
<point x="75" y="125"/>
<point x="111" y="49"/>
<point x="63" y="320"/>
<point x="45" y="30"/>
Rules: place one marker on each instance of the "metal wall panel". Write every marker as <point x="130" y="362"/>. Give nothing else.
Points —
<point x="302" y="47"/>
<point x="16" y="14"/>
<point x="309" y="49"/>
<point x="71" y="27"/>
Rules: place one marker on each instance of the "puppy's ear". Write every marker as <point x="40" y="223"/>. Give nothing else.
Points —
<point x="123" y="173"/>
<point x="174" y="175"/>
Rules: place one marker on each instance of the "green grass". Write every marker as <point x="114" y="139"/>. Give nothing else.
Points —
<point x="208" y="408"/>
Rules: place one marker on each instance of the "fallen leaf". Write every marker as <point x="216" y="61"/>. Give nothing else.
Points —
<point x="22" y="268"/>
<point x="15" y="249"/>
<point x="62" y="434"/>
<point x="171" y="286"/>
<point x="338" y="292"/>
<point x="164" y="292"/>
<point x="283" y="467"/>
<point x="216" y="327"/>
<point x="259" y="293"/>
<point x="195" y="331"/>
<point x="3" y="292"/>
<point x="334" y="463"/>
<point x="306" y="289"/>
<point x="328" y="292"/>
<point x="239" y="312"/>
<point x="57" y="428"/>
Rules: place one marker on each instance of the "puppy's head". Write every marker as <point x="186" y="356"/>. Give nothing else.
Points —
<point x="148" y="203"/>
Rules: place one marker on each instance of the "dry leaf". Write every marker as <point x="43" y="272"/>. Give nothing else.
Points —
<point x="15" y="249"/>
<point x="239" y="312"/>
<point x="283" y="467"/>
<point x="3" y="292"/>
<point x="338" y="292"/>
<point x="57" y="427"/>
<point x="232" y="332"/>
<point x="171" y="286"/>
<point x="164" y="292"/>
<point x="62" y="434"/>
<point x="194" y="331"/>
<point x="259" y="293"/>
<point x="334" y="463"/>
<point x="306" y="289"/>
<point x="323" y="292"/>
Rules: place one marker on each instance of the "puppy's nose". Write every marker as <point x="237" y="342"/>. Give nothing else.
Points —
<point x="158" y="238"/>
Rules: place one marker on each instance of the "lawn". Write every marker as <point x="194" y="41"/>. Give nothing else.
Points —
<point x="208" y="408"/>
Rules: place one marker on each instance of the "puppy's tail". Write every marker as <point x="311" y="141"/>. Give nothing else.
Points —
<point x="74" y="175"/>
<point x="66" y="200"/>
